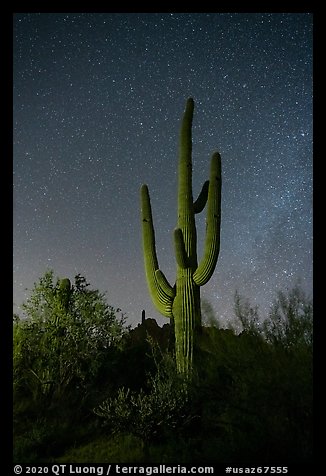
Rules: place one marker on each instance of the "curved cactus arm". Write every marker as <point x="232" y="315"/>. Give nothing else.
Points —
<point x="201" y="201"/>
<point x="212" y="242"/>
<point x="180" y="250"/>
<point x="164" y="284"/>
<point x="161" y="299"/>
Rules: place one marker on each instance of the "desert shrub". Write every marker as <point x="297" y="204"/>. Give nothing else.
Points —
<point x="151" y="414"/>
<point x="65" y="348"/>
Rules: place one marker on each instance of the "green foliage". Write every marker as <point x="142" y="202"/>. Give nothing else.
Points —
<point x="118" y="448"/>
<point x="246" y="314"/>
<point x="249" y="401"/>
<point x="181" y="302"/>
<point x="64" y="348"/>
<point x="151" y="414"/>
<point x="290" y="322"/>
<point x="63" y="339"/>
<point x="258" y="384"/>
<point x="209" y="318"/>
<point x="42" y="437"/>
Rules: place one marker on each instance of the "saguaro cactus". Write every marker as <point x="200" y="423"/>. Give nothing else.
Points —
<point x="182" y="301"/>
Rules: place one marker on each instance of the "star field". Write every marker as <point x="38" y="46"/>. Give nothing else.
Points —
<point x="98" y="99"/>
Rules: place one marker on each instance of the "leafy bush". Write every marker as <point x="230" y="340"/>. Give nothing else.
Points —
<point x="60" y="348"/>
<point x="64" y="350"/>
<point x="256" y="387"/>
<point x="250" y="399"/>
<point x="290" y="322"/>
<point x="153" y="414"/>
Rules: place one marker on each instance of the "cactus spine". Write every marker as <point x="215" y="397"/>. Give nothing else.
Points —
<point x="182" y="301"/>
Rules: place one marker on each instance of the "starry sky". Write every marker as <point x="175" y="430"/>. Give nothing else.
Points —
<point x="98" y="100"/>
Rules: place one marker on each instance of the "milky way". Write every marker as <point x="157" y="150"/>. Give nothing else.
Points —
<point x="98" y="99"/>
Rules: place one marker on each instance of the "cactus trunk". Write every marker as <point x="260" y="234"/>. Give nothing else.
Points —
<point x="182" y="301"/>
<point x="187" y="318"/>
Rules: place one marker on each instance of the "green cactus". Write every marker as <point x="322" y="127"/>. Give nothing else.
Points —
<point x="182" y="301"/>
<point x="64" y="292"/>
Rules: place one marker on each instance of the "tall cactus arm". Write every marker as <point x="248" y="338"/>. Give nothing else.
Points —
<point x="212" y="241"/>
<point x="201" y="201"/>
<point x="186" y="217"/>
<point x="185" y="132"/>
<point x="161" y="298"/>
<point x="185" y="201"/>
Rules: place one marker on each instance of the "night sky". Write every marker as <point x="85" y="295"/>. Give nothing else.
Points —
<point x="98" y="99"/>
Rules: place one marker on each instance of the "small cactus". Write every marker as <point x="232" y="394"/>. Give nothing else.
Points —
<point x="64" y="292"/>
